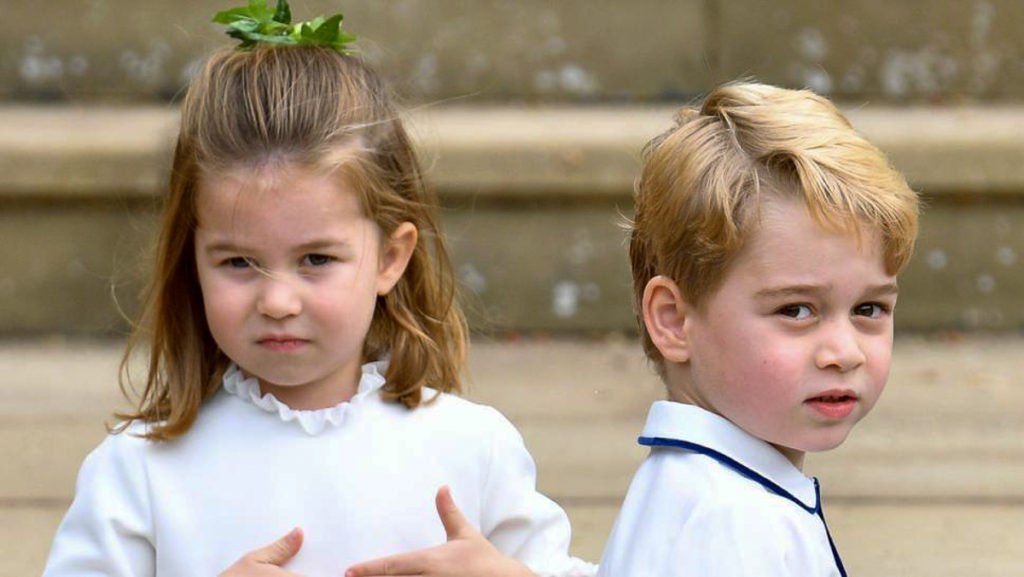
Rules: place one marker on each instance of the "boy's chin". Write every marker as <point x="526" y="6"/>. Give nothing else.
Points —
<point x="825" y="443"/>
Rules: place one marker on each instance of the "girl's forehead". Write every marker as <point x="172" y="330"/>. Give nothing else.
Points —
<point x="273" y="191"/>
<point x="254" y="177"/>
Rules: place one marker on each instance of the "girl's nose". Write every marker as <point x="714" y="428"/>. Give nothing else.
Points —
<point x="840" y="348"/>
<point x="278" y="298"/>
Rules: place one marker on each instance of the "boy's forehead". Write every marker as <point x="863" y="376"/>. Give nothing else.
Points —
<point x="786" y="236"/>
<point x="783" y="211"/>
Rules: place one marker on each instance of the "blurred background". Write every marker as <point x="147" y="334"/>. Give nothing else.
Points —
<point x="530" y="116"/>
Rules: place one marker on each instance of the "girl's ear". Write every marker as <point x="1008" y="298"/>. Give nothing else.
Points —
<point x="395" y="254"/>
<point x="665" y="312"/>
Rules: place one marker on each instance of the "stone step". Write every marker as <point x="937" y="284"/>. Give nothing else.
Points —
<point x="513" y="151"/>
<point x="533" y="198"/>
<point x="951" y="411"/>
<point x="930" y="483"/>
<point x="572" y="50"/>
<point x="880" y="539"/>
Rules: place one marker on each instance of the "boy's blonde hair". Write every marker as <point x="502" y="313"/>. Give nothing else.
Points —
<point x="702" y="182"/>
<point x="318" y="109"/>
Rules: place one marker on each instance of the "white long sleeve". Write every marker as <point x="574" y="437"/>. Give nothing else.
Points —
<point x="520" y="521"/>
<point x="108" y="530"/>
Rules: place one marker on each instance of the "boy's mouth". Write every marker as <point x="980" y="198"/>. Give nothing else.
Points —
<point x="833" y="404"/>
<point x="833" y="398"/>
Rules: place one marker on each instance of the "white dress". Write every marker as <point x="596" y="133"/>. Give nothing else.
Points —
<point x="359" y="478"/>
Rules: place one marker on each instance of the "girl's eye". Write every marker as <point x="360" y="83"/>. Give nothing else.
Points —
<point x="796" y="312"/>
<point x="240" y="262"/>
<point x="870" y="310"/>
<point x="316" y="260"/>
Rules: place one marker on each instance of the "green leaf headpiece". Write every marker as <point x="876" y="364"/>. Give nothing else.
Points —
<point x="257" y="24"/>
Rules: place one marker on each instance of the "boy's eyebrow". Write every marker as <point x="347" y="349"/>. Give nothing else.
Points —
<point x="885" y="289"/>
<point x="790" y="290"/>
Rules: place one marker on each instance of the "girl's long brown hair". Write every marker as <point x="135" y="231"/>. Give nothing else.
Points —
<point x="312" y="107"/>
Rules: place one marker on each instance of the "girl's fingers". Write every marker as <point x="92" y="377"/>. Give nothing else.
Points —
<point x="406" y="564"/>
<point x="441" y="560"/>
<point x="455" y="523"/>
<point x="279" y="552"/>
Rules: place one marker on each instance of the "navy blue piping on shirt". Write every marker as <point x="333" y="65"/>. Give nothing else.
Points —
<point x="755" y="476"/>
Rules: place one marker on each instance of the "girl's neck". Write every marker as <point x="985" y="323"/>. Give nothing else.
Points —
<point x="315" y="395"/>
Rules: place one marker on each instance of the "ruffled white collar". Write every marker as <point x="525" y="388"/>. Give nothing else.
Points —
<point x="312" y="421"/>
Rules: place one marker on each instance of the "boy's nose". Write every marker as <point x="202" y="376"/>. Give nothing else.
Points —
<point x="278" y="298"/>
<point x="840" y="348"/>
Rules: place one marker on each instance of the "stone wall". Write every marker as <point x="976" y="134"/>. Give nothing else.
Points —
<point x="540" y="50"/>
<point x="532" y="202"/>
<point x="537" y="112"/>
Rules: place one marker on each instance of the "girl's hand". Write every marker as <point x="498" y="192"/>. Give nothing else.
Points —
<point x="466" y="554"/>
<point x="267" y="561"/>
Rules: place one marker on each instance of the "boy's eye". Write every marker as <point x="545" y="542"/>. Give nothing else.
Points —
<point x="316" y="260"/>
<point x="796" y="312"/>
<point x="870" y="310"/>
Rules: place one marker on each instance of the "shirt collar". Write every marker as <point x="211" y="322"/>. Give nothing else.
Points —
<point x="690" y="425"/>
<point x="313" y="421"/>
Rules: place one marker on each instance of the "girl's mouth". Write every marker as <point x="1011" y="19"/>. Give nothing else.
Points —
<point x="282" y="344"/>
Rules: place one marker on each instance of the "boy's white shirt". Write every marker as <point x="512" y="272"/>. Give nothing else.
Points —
<point x="359" y="478"/>
<point x="688" y="512"/>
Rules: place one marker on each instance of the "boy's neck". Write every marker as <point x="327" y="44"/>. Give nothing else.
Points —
<point x="678" y="392"/>
<point x="794" y="456"/>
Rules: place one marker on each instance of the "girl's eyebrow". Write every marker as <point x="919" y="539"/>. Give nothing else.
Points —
<point x="322" y="243"/>
<point x="310" y="245"/>
<point x="222" y="246"/>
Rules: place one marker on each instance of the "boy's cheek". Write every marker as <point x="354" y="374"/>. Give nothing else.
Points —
<point x="879" y="379"/>
<point x="880" y="362"/>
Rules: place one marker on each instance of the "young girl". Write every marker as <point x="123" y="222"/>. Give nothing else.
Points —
<point x="301" y="304"/>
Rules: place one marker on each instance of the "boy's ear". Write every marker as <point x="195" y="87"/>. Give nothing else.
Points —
<point x="665" y="313"/>
<point x="396" y="251"/>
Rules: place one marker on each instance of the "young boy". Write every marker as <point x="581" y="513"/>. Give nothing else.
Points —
<point x="767" y="240"/>
<point x="765" y="248"/>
